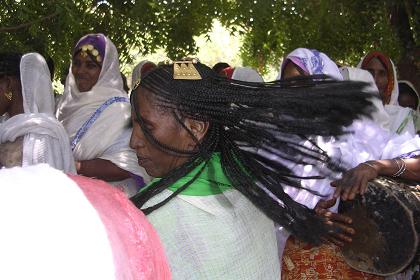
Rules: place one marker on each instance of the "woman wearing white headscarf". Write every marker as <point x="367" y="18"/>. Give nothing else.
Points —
<point x="140" y="69"/>
<point x="25" y="84"/>
<point x="385" y="75"/>
<point x="95" y="111"/>
<point x="33" y="136"/>
<point x="408" y="95"/>
<point x="308" y="62"/>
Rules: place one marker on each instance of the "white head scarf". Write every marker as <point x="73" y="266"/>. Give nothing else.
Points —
<point x="37" y="90"/>
<point x="45" y="140"/>
<point x="312" y="62"/>
<point x="356" y="74"/>
<point x="247" y="74"/>
<point x="136" y="74"/>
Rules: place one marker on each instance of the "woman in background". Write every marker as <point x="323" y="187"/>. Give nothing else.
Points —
<point x="95" y="111"/>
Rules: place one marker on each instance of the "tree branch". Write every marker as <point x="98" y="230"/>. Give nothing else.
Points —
<point x="25" y="25"/>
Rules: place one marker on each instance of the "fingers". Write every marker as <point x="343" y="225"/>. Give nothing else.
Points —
<point x="325" y="204"/>
<point x="342" y="235"/>
<point x="354" y="182"/>
<point x="338" y="218"/>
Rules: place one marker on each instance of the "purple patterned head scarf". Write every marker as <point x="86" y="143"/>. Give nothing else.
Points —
<point x="312" y="62"/>
<point x="94" y="44"/>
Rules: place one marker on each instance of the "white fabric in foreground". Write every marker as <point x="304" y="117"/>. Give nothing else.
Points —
<point x="45" y="140"/>
<point x="76" y="107"/>
<point x="220" y="236"/>
<point x="49" y="230"/>
<point x="37" y="90"/>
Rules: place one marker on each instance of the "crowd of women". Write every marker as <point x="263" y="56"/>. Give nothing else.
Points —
<point x="211" y="173"/>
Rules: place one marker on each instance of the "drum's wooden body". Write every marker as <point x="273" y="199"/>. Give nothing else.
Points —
<point x="387" y="224"/>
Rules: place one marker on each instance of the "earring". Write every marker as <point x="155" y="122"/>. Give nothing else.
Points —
<point x="8" y="95"/>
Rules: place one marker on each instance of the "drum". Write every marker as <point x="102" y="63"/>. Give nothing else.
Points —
<point x="387" y="223"/>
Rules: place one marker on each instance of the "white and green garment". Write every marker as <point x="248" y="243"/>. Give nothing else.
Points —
<point x="211" y="231"/>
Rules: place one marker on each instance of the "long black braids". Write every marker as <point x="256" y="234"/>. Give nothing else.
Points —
<point x="247" y="121"/>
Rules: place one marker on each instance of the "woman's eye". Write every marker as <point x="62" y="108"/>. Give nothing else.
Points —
<point x="91" y="65"/>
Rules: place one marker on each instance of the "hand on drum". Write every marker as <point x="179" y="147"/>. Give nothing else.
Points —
<point x="354" y="181"/>
<point x="337" y="220"/>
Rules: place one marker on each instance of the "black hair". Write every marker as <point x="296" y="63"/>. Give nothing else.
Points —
<point x="247" y="120"/>
<point x="408" y="90"/>
<point x="220" y="66"/>
<point x="51" y="66"/>
<point x="10" y="64"/>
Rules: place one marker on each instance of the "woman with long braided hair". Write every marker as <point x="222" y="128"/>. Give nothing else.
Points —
<point x="215" y="198"/>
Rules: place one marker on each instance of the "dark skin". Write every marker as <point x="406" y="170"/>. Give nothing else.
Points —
<point x="355" y="181"/>
<point x="343" y="222"/>
<point x="291" y="71"/>
<point x="15" y="106"/>
<point x="86" y="74"/>
<point x="86" y="71"/>
<point x="407" y="100"/>
<point x="379" y="73"/>
<point x="165" y="128"/>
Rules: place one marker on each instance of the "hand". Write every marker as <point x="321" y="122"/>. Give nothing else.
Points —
<point x="339" y="221"/>
<point x="354" y="181"/>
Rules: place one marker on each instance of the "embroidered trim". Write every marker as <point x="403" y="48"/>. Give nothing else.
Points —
<point x="85" y="127"/>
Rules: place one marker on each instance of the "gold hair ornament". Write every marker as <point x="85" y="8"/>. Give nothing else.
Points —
<point x="8" y="95"/>
<point x="90" y="48"/>
<point x="185" y="70"/>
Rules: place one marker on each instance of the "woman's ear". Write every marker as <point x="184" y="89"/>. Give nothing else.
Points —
<point x="197" y="128"/>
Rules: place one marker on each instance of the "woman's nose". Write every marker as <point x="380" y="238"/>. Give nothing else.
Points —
<point x="136" y="140"/>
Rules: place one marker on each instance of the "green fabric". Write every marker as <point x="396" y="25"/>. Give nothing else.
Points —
<point x="211" y="181"/>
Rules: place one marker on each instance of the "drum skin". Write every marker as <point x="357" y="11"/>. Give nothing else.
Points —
<point x="387" y="221"/>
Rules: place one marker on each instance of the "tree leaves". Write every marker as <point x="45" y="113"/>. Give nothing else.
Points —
<point x="344" y="29"/>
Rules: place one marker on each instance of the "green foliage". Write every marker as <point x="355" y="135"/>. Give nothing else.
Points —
<point x="344" y="29"/>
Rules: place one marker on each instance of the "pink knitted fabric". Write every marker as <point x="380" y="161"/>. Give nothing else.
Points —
<point x="137" y="250"/>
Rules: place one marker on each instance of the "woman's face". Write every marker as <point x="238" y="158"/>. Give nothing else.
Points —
<point x="85" y="71"/>
<point x="4" y="91"/>
<point x="407" y="100"/>
<point x="379" y="73"/>
<point x="165" y="128"/>
<point x="291" y="71"/>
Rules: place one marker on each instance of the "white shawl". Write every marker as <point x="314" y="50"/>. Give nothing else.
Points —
<point x="108" y="137"/>
<point x="45" y="140"/>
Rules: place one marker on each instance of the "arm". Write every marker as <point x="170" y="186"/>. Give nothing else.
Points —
<point x="355" y="180"/>
<point x="101" y="169"/>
